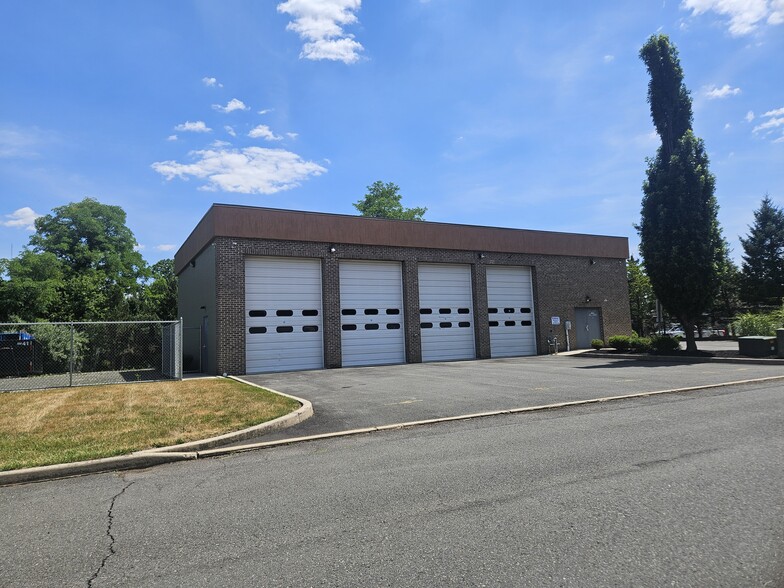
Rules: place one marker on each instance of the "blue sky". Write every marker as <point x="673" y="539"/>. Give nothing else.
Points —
<point x="502" y="113"/>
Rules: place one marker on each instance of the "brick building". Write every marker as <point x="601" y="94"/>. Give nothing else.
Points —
<point x="271" y="290"/>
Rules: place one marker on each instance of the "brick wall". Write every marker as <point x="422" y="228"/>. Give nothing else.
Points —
<point x="560" y="284"/>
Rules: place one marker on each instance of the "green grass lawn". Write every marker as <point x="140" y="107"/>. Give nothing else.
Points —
<point x="74" y="424"/>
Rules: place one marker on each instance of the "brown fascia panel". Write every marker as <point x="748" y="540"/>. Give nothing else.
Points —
<point x="223" y="220"/>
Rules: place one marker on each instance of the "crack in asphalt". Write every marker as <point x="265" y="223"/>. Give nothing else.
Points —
<point x="112" y="540"/>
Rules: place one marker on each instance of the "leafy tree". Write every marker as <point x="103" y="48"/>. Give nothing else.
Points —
<point x="35" y="287"/>
<point x="79" y="265"/>
<point x="763" y="259"/>
<point x="680" y="238"/>
<point x="726" y="303"/>
<point x="159" y="295"/>
<point x="383" y="201"/>
<point x="641" y="298"/>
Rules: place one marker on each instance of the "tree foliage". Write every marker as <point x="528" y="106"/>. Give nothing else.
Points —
<point x="159" y="295"/>
<point x="763" y="258"/>
<point x="642" y="300"/>
<point x="82" y="264"/>
<point x="726" y="303"/>
<point x="383" y="201"/>
<point x="680" y="238"/>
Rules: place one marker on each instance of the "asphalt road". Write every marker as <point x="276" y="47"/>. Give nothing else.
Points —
<point x="677" y="490"/>
<point x="354" y="398"/>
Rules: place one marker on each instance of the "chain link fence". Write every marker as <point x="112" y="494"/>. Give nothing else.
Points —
<point x="53" y="355"/>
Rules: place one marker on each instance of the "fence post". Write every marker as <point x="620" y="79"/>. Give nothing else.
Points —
<point x="71" y="360"/>
<point x="178" y="351"/>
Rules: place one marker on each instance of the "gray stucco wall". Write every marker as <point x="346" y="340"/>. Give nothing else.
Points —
<point x="561" y="284"/>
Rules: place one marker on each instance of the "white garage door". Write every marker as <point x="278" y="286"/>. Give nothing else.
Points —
<point x="283" y="317"/>
<point x="446" y="317"/>
<point x="510" y="311"/>
<point x="371" y="313"/>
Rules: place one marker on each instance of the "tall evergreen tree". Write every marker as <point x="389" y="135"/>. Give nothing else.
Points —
<point x="762" y="275"/>
<point x="680" y="238"/>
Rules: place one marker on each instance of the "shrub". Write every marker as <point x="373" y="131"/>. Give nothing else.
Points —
<point x="620" y="342"/>
<point x="640" y="344"/>
<point x="55" y="340"/>
<point x="665" y="343"/>
<point x="597" y="344"/>
<point x="749" y="325"/>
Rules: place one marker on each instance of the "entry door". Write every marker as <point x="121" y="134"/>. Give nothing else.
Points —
<point x="446" y="315"/>
<point x="371" y="313"/>
<point x="588" y="326"/>
<point x="283" y="322"/>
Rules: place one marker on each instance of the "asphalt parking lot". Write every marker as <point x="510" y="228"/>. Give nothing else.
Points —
<point x="351" y="398"/>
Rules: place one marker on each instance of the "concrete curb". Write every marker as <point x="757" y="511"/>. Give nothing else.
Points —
<point x="682" y="359"/>
<point x="93" y="466"/>
<point x="303" y="413"/>
<point x="158" y="455"/>
<point x="154" y="457"/>
<point x="266" y="444"/>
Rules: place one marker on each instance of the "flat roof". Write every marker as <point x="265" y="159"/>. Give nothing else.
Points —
<point x="251" y="222"/>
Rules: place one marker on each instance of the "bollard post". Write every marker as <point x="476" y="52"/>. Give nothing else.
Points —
<point x="780" y="343"/>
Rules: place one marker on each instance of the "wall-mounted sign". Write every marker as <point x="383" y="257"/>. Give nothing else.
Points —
<point x="568" y="325"/>
<point x="555" y="320"/>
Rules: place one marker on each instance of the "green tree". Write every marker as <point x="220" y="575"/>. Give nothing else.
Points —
<point x="383" y="201"/>
<point x="762" y="277"/>
<point x="35" y="286"/>
<point x="680" y="238"/>
<point x="159" y="294"/>
<point x="81" y="264"/>
<point x="642" y="300"/>
<point x="726" y="303"/>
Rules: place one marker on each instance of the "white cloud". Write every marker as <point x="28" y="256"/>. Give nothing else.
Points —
<point x="750" y="116"/>
<point x="609" y="58"/>
<point x="266" y="111"/>
<point x="22" y="218"/>
<point x="230" y="130"/>
<point x="776" y="14"/>
<point x="139" y="247"/>
<point x="320" y="23"/>
<point x="727" y="126"/>
<point x="17" y="142"/>
<point x="264" y="132"/>
<point x="713" y="92"/>
<point x="165" y="247"/>
<point x="171" y="138"/>
<point x="745" y="16"/>
<point x="193" y="127"/>
<point x="771" y="123"/>
<point x="211" y="82"/>
<point x="218" y="143"/>
<point x="253" y="170"/>
<point x="774" y="122"/>
<point x="232" y="105"/>
<point x="292" y="135"/>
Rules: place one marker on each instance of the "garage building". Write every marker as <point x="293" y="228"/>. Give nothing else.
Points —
<point x="265" y="290"/>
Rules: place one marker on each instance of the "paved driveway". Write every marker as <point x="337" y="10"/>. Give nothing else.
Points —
<point x="351" y="398"/>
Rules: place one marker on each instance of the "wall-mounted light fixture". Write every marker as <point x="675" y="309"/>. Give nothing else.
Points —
<point x="332" y="249"/>
<point x="481" y="256"/>
<point x="591" y="261"/>
<point x="587" y="299"/>
<point x="193" y="263"/>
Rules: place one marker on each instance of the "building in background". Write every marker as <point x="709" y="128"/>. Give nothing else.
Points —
<point x="264" y="290"/>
